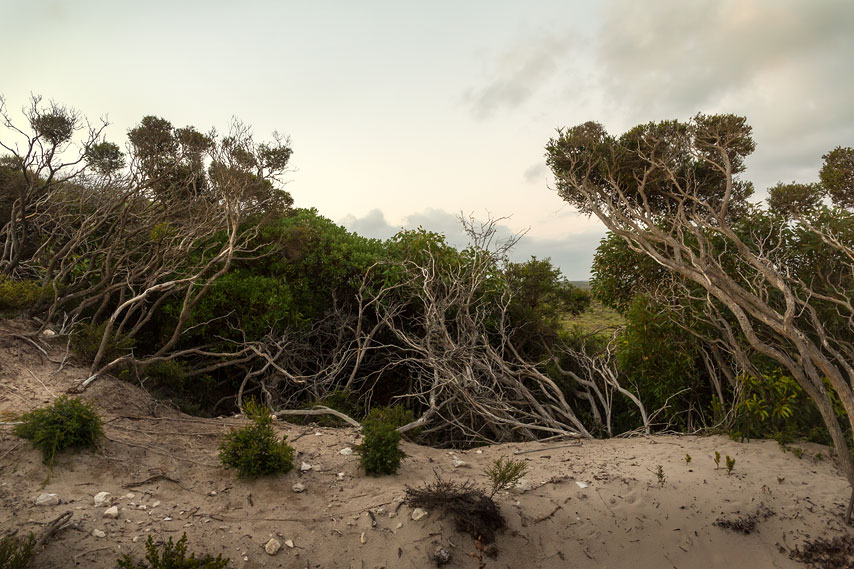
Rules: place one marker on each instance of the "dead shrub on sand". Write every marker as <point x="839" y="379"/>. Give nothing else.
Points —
<point x="473" y="511"/>
<point x="826" y="553"/>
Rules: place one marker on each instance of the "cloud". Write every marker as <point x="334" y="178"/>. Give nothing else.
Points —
<point x="536" y="173"/>
<point x="572" y="253"/>
<point x="519" y="73"/>
<point x="783" y="64"/>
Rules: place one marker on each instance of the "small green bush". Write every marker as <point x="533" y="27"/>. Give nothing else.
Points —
<point x="86" y="340"/>
<point x="504" y="473"/>
<point x="380" y="449"/>
<point x="254" y="450"/>
<point x="16" y="553"/>
<point x="68" y="423"/>
<point x="174" y="556"/>
<point x="15" y="294"/>
<point x="396" y="415"/>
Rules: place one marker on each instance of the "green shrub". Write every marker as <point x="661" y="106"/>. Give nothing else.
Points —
<point x="395" y="415"/>
<point x="504" y="473"/>
<point x="66" y="424"/>
<point x="86" y="340"/>
<point x="174" y="556"/>
<point x="774" y="406"/>
<point x="15" y="294"/>
<point x="16" y="553"/>
<point x="380" y="449"/>
<point x="254" y="450"/>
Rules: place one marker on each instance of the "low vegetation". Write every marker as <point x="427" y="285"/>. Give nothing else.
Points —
<point x="16" y="553"/>
<point x="171" y="555"/>
<point x="380" y="451"/>
<point x="67" y="424"/>
<point x="255" y="450"/>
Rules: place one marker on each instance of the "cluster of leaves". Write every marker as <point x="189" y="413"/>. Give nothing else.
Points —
<point x="68" y="423"/>
<point x="775" y="406"/>
<point x="16" y="553"/>
<point x="173" y="556"/>
<point x="504" y="473"/>
<point x="380" y="451"/>
<point x="255" y="450"/>
<point x="18" y="294"/>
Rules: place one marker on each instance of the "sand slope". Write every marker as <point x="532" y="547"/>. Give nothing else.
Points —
<point x="162" y="470"/>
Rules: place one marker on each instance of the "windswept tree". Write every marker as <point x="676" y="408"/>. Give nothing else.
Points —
<point x="777" y="282"/>
<point x="113" y="238"/>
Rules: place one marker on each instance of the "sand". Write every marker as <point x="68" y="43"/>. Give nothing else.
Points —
<point x="597" y="503"/>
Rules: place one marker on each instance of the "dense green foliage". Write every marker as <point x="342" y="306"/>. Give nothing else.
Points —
<point x="16" y="553"/>
<point x="255" y="450"/>
<point x="172" y="556"/>
<point x="380" y="450"/>
<point x="18" y="294"/>
<point x="68" y="423"/>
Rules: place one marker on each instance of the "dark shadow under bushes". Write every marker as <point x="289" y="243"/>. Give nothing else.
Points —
<point x="473" y="511"/>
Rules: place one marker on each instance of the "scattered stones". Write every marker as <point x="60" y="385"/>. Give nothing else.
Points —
<point x="346" y="451"/>
<point x="155" y="504"/>
<point x="289" y="543"/>
<point x="340" y="476"/>
<point x="212" y="493"/>
<point x="398" y="526"/>
<point x="99" y="533"/>
<point x="419" y="514"/>
<point x="460" y="463"/>
<point x="47" y="500"/>
<point x="363" y="539"/>
<point x="524" y="485"/>
<point x="298" y="488"/>
<point x="102" y="498"/>
<point x="305" y="467"/>
<point x="111" y="512"/>
<point x="129" y="496"/>
<point x="47" y="333"/>
<point x="440" y="556"/>
<point x="273" y="546"/>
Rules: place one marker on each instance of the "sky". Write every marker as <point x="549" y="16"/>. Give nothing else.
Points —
<point x="406" y="113"/>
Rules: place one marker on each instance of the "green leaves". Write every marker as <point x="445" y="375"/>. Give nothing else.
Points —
<point x="254" y="450"/>
<point x="380" y="449"/>
<point x="68" y="423"/>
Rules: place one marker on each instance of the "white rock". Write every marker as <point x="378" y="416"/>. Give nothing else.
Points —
<point x="460" y="463"/>
<point x="523" y="485"/>
<point x="47" y="500"/>
<point x="99" y="533"/>
<point x="135" y="538"/>
<point x="129" y="496"/>
<point x="346" y="451"/>
<point x="112" y="512"/>
<point x="478" y="451"/>
<point x="289" y="543"/>
<point x="340" y="476"/>
<point x="298" y="488"/>
<point x="419" y="514"/>
<point x="399" y="525"/>
<point x="305" y="467"/>
<point x="102" y="498"/>
<point x="581" y="484"/>
<point x="363" y="539"/>
<point x="155" y="504"/>
<point x="273" y="546"/>
<point x="47" y="332"/>
<point x="212" y="493"/>
<point x="392" y="515"/>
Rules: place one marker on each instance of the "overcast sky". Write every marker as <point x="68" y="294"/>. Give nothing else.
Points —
<point x="406" y="113"/>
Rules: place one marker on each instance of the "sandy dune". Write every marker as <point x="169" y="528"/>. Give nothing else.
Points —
<point x="594" y="504"/>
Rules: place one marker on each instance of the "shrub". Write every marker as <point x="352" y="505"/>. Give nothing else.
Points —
<point x="16" y="553"/>
<point x="380" y="449"/>
<point x="473" y="511"/>
<point x="15" y="294"/>
<point x="174" y="556"/>
<point x="505" y="472"/>
<point x="254" y="450"/>
<point x="395" y="415"/>
<point x="66" y="424"/>
<point x="86" y="340"/>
